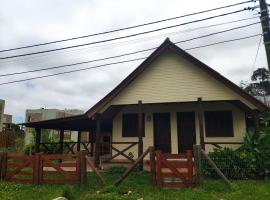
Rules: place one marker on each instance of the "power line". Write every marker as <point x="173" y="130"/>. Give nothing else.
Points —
<point x="215" y="43"/>
<point x="98" y="66"/>
<point x="127" y="28"/>
<point x="257" y="52"/>
<point x="122" y="37"/>
<point x="126" y="54"/>
<point x="116" y="44"/>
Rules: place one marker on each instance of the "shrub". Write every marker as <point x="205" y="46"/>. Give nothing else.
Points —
<point x="251" y="160"/>
<point x="19" y="145"/>
<point x="234" y="164"/>
<point x="258" y="148"/>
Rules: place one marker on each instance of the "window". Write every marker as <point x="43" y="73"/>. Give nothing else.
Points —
<point x="218" y="123"/>
<point x="130" y="125"/>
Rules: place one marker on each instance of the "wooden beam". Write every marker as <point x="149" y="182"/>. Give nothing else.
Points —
<point x="255" y="114"/>
<point x="153" y="165"/>
<point x="97" y="140"/>
<point x="83" y="170"/>
<point x="140" y="133"/>
<point x="128" y="170"/>
<point x="200" y="118"/>
<point x="61" y="141"/>
<point x="38" y="136"/>
<point x="197" y="164"/>
<point x="79" y="141"/>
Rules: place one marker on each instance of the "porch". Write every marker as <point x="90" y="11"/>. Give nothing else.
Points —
<point x="107" y="144"/>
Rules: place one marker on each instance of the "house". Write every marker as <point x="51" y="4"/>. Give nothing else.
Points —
<point x="171" y="101"/>
<point x="41" y="114"/>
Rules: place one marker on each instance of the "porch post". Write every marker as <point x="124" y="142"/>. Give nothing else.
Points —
<point x="79" y="141"/>
<point x="37" y="144"/>
<point x="201" y="127"/>
<point x="255" y="114"/>
<point x="91" y="141"/>
<point x="140" y="133"/>
<point x="97" y="140"/>
<point x="61" y="141"/>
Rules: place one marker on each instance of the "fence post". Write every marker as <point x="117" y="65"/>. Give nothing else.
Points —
<point x="158" y="168"/>
<point x="197" y="164"/>
<point x="3" y="165"/>
<point x="153" y="165"/>
<point x="190" y="166"/>
<point x="37" y="169"/>
<point x="83" y="168"/>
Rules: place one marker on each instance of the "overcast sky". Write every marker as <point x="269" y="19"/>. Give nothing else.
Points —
<point x="34" y="21"/>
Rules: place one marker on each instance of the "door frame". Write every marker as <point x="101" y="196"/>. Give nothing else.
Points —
<point x="178" y="132"/>
<point x="170" y="131"/>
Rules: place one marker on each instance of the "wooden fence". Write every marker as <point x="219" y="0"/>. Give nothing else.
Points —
<point x="41" y="168"/>
<point x="8" y="138"/>
<point x="174" y="170"/>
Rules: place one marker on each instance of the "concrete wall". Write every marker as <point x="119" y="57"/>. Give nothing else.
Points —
<point x="2" y="109"/>
<point x="239" y="124"/>
<point x="47" y="114"/>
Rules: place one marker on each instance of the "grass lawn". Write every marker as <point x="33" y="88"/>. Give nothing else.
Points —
<point x="139" y="184"/>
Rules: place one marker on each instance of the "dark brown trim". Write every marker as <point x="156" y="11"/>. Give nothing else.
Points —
<point x="168" y="45"/>
<point x="58" y="120"/>
<point x="61" y="140"/>
<point x="141" y="131"/>
<point x="97" y="141"/>
<point x="201" y="127"/>
<point x="37" y="142"/>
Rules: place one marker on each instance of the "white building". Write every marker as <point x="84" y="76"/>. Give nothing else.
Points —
<point x="35" y="115"/>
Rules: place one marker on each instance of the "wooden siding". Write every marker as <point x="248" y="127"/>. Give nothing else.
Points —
<point x="171" y="78"/>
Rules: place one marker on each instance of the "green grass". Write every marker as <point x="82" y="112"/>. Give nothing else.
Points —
<point x="139" y="185"/>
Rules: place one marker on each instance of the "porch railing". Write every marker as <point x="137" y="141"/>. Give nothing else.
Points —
<point x="116" y="146"/>
<point x="68" y="147"/>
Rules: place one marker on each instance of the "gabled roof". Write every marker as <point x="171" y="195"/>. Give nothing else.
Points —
<point x="168" y="45"/>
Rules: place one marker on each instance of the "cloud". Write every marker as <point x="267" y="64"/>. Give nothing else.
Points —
<point x="33" y="21"/>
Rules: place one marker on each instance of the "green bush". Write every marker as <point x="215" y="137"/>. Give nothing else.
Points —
<point x="251" y="160"/>
<point x="257" y="147"/>
<point x="234" y="164"/>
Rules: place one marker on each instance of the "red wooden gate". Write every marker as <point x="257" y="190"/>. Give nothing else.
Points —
<point x="174" y="170"/>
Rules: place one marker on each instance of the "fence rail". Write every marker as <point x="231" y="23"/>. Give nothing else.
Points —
<point x="41" y="168"/>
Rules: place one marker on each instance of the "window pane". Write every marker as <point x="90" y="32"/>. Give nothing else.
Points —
<point x="218" y="123"/>
<point x="130" y="125"/>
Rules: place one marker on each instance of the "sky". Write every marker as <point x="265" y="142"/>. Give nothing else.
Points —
<point x="34" y="21"/>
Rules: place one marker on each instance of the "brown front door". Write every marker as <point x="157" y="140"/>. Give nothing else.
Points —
<point x="162" y="132"/>
<point x="186" y="131"/>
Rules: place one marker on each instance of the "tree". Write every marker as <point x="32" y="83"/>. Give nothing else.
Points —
<point x="261" y="74"/>
<point x="260" y="85"/>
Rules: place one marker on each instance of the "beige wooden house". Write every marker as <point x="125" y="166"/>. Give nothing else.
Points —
<point x="171" y="101"/>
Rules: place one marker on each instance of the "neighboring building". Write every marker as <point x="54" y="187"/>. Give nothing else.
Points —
<point x="7" y="121"/>
<point x="2" y="109"/>
<point x="35" y="115"/>
<point x="182" y="102"/>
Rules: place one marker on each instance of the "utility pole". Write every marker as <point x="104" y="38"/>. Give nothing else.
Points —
<point x="265" y="29"/>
